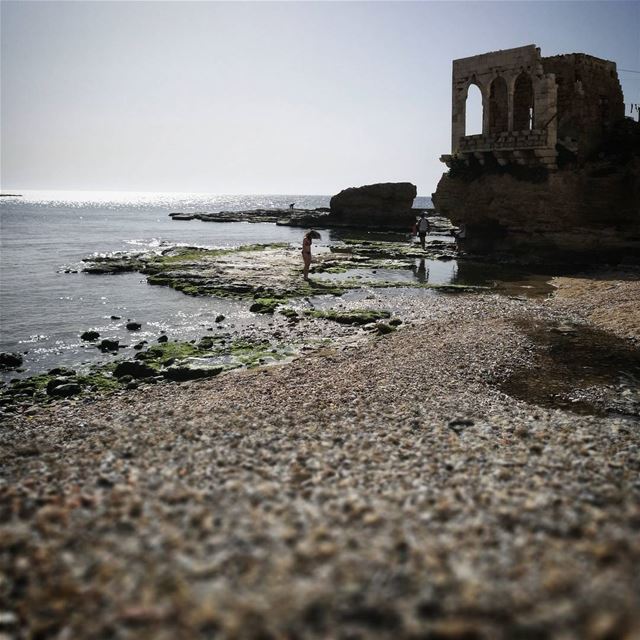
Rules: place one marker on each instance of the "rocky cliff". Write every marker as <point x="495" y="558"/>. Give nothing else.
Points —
<point x="581" y="212"/>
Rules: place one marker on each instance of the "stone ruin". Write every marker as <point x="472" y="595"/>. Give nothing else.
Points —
<point x="542" y="172"/>
<point x="532" y="104"/>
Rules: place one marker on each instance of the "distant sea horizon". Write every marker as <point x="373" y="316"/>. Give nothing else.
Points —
<point x="102" y="195"/>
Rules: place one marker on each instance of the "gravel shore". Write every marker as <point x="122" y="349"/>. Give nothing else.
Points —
<point x="384" y="487"/>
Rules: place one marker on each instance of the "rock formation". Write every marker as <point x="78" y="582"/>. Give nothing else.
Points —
<point x="382" y="205"/>
<point x="555" y="174"/>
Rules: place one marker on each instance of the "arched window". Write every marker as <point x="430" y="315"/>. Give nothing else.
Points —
<point x="473" y="109"/>
<point x="523" y="103"/>
<point x="498" y="106"/>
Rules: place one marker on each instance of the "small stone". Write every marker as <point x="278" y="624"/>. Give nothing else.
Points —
<point x="61" y="371"/>
<point x="382" y="328"/>
<point x="108" y="345"/>
<point x="162" y="339"/>
<point x="133" y="326"/>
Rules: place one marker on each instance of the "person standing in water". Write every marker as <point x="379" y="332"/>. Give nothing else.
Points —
<point x="422" y="228"/>
<point x="306" y="253"/>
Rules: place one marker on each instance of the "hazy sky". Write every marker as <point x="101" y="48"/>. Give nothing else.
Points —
<point x="260" y="97"/>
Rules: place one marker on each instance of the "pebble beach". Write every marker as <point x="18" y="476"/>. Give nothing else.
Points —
<point x="383" y="487"/>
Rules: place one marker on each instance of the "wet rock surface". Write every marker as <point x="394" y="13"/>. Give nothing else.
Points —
<point x="270" y="274"/>
<point x="376" y="487"/>
<point x="10" y="360"/>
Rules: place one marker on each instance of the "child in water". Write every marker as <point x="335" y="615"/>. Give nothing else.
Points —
<point x="306" y="253"/>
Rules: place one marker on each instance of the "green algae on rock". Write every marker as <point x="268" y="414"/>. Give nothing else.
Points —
<point x="265" y="305"/>
<point x="269" y="273"/>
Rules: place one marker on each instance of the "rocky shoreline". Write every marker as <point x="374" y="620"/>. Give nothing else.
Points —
<point x="319" y="218"/>
<point x="398" y="473"/>
<point x="264" y="277"/>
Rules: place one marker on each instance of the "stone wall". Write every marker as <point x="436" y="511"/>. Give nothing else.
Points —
<point x="589" y="100"/>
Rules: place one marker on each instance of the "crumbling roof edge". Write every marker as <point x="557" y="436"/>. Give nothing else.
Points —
<point x="490" y="53"/>
<point x="583" y="55"/>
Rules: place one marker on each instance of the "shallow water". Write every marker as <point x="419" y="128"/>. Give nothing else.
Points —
<point x="504" y="279"/>
<point x="580" y="369"/>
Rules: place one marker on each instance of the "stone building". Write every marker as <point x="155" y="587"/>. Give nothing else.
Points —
<point x="555" y="173"/>
<point x="533" y="107"/>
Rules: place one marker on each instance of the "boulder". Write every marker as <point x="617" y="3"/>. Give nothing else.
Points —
<point x="162" y="339"/>
<point x="181" y="373"/>
<point x="56" y="382"/>
<point x="90" y="336"/>
<point x="65" y="390"/>
<point x="10" y="360"/>
<point x="207" y="342"/>
<point x="109" y="345"/>
<point x="133" y="326"/>
<point x="383" y="205"/>
<point x="134" y="368"/>
<point x="264" y="305"/>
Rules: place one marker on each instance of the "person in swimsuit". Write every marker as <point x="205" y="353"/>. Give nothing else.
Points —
<point x="306" y="253"/>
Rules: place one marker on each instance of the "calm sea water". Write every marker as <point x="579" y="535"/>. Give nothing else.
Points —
<point x="44" y="310"/>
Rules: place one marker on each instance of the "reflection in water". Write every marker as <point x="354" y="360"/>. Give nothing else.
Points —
<point x="439" y="272"/>
<point x="420" y="270"/>
<point x="578" y="368"/>
<point x="509" y="280"/>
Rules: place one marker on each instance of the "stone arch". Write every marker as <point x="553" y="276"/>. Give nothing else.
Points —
<point x="523" y="103"/>
<point x="474" y="110"/>
<point x="498" y="106"/>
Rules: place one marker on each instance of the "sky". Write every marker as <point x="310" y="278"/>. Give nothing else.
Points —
<point x="260" y="97"/>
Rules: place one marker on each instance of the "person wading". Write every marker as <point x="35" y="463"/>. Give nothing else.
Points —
<point x="306" y="253"/>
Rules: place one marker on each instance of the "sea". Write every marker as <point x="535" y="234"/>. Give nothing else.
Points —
<point x="46" y="302"/>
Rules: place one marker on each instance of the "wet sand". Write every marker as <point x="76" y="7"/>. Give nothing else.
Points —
<point x="385" y="487"/>
<point x="610" y="300"/>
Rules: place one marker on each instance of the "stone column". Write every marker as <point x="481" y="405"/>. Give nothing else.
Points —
<point x="485" y="91"/>
<point x="545" y="107"/>
<point x="458" y="115"/>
